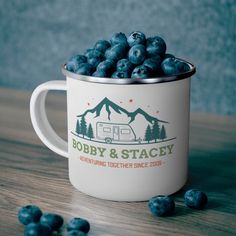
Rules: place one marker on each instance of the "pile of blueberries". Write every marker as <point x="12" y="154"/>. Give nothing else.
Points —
<point x="38" y="223"/>
<point x="47" y="224"/>
<point x="133" y="57"/>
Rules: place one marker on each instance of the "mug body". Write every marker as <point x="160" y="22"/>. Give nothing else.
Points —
<point x="128" y="142"/>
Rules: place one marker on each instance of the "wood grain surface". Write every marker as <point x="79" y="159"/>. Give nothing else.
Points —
<point x="32" y="174"/>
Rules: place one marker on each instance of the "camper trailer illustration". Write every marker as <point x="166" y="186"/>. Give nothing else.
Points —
<point x="110" y="132"/>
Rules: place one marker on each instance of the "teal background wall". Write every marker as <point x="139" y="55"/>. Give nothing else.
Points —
<point x="36" y="37"/>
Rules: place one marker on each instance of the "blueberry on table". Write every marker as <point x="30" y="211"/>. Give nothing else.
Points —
<point x="37" y="229"/>
<point x="136" y="37"/>
<point x="124" y="65"/>
<point x="196" y="199"/>
<point x="107" y="66"/>
<point x="73" y="63"/>
<point x="121" y="75"/>
<point x="102" y="45"/>
<point x="54" y="221"/>
<point x="79" y="224"/>
<point x="100" y="73"/>
<point x="119" y="38"/>
<point x="155" y="46"/>
<point x="137" y="54"/>
<point x="161" y="205"/>
<point x="140" y="72"/>
<point x="76" y="233"/>
<point x="116" y="52"/>
<point x="153" y="64"/>
<point x="85" y="69"/>
<point x="28" y="214"/>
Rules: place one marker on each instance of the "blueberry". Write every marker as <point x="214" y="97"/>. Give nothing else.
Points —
<point x="161" y="206"/>
<point x="120" y="75"/>
<point x="88" y="52"/>
<point x="94" y="61"/>
<point x="107" y="66"/>
<point x="28" y="214"/>
<point x="116" y="52"/>
<point x="167" y="55"/>
<point x="76" y="233"/>
<point x="124" y="65"/>
<point x="54" y="221"/>
<point x="91" y="53"/>
<point x="78" y="58"/>
<point x="136" y="37"/>
<point x="153" y="64"/>
<point x="75" y="61"/>
<point x="137" y="54"/>
<point x="85" y="69"/>
<point x="78" y="224"/>
<point x="195" y="199"/>
<point x="155" y="46"/>
<point x="94" y="57"/>
<point x="173" y="66"/>
<point x="182" y="66"/>
<point x="100" y="73"/>
<point x="72" y="66"/>
<point x="102" y="45"/>
<point x="37" y="229"/>
<point x="140" y="72"/>
<point x="119" y="38"/>
<point x="169" y="66"/>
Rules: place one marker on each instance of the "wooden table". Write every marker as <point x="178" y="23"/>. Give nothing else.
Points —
<point x="32" y="174"/>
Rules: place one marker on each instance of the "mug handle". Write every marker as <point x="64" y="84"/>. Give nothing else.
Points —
<point x="39" y="117"/>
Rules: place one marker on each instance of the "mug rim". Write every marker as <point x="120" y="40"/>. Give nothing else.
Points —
<point x="159" y="79"/>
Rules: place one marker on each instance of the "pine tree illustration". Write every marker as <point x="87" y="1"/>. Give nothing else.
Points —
<point x="156" y="131"/>
<point x="163" y="133"/>
<point x="78" y="130"/>
<point x="148" y="134"/>
<point x="83" y="126"/>
<point x="90" y="132"/>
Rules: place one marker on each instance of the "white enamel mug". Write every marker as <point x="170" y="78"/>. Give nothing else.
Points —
<point x="128" y="139"/>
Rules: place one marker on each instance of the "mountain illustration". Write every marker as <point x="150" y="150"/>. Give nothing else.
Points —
<point x="108" y="105"/>
<point x="149" y="118"/>
<point x="111" y="107"/>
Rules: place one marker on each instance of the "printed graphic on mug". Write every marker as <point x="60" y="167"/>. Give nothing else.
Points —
<point x="112" y="130"/>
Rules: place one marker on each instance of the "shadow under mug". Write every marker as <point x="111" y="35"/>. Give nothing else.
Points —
<point x="128" y="139"/>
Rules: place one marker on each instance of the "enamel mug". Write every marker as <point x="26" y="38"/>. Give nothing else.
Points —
<point x="128" y="139"/>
